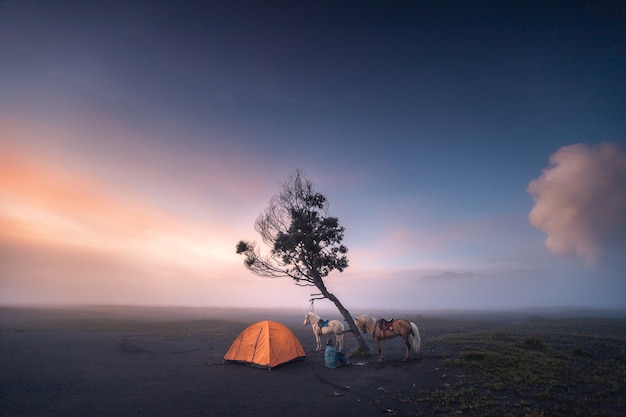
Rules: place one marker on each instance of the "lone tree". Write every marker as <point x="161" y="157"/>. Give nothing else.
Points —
<point x="305" y="242"/>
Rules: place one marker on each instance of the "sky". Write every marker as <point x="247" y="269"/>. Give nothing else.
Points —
<point x="475" y="152"/>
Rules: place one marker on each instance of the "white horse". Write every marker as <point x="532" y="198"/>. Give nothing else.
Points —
<point x="333" y="327"/>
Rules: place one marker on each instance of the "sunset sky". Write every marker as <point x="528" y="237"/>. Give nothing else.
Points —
<point x="474" y="151"/>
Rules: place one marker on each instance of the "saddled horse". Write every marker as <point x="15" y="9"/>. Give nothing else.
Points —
<point x="383" y="329"/>
<point x="333" y="327"/>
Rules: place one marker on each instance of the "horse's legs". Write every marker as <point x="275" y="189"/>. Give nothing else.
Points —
<point x="339" y="342"/>
<point x="318" y="342"/>
<point x="408" y="347"/>
<point x="380" y="351"/>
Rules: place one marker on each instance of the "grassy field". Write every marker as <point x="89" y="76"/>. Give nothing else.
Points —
<point x="536" y="367"/>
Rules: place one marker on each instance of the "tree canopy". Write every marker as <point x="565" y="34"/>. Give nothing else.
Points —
<point x="305" y="242"/>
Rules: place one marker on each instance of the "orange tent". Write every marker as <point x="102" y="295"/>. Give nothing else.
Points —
<point x="265" y="344"/>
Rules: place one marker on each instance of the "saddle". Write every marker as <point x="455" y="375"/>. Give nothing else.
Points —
<point x="322" y="323"/>
<point x="385" y="325"/>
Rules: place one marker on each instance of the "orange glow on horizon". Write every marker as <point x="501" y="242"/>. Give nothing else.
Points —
<point x="49" y="205"/>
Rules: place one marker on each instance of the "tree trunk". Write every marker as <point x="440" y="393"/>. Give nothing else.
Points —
<point x="347" y="317"/>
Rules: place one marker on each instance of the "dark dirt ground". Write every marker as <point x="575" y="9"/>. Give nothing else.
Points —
<point x="149" y="362"/>
<point x="76" y="363"/>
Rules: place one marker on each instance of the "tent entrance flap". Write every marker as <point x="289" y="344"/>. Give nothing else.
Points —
<point x="256" y="345"/>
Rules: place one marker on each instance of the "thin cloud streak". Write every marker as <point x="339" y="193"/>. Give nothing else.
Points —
<point x="50" y="205"/>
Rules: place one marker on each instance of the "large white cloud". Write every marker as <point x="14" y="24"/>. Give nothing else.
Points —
<point x="580" y="200"/>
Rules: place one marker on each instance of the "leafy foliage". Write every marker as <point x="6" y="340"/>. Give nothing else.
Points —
<point x="305" y="241"/>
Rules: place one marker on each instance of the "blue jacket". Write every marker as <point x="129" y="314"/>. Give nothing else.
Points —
<point x="330" y="357"/>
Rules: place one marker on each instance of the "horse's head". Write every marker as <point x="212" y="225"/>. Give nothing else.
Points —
<point x="308" y="318"/>
<point x="361" y="323"/>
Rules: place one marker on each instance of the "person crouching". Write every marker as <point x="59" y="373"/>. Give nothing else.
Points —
<point x="333" y="357"/>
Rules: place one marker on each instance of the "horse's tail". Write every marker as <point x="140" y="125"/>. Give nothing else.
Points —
<point x="415" y="336"/>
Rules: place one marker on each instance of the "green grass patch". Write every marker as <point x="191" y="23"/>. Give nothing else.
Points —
<point x="538" y="367"/>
